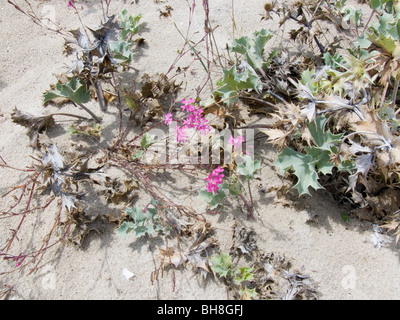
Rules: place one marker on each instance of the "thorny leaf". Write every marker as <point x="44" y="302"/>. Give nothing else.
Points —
<point x="157" y="86"/>
<point x="323" y="139"/>
<point x="34" y="124"/>
<point x="221" y="264"/>
<point x="194" y="250"/>
<point x="54" y="158"/>
<point x="303" y="166"/>
<point x="275" y="279"/>
<point x="244" y="274"/>
<point x="252" y="47"/>
<point x="276" y="136"/>
<point x="234" y="82"/>
<point x="74" y="90"/>
<point x="81" y="223"/>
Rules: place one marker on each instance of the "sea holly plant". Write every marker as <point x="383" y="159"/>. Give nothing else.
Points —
<point x="321" y="157"/>
<point x="252" y="48"/>
<point x="244" y="77"/>
<point x="99" y="51"/>
<point x="146" y="221"/>
<point x="222" y="265"/>
<point x="129" y="24"/>
<point x="74" y="90"/>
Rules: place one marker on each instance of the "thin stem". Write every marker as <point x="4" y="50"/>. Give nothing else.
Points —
<point x="68" y="115"/>
<point x="395" y="91"/>
<point x="370" y="17"/>
<point x="97" y="119"/>
<point x="248" y="206"/>
<point x="251" y="197"/>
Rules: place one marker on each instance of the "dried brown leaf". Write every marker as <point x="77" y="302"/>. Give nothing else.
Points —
<point x="34" y="124"/>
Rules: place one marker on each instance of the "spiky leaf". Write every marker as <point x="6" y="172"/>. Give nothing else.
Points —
<point x="303" y="166"/>
<point x="221" y="264"/>
<point x="234" y="82"/>
<point x="252" y="47"/>
<point x="74" y="90"/>
<point x="323" y="139"/>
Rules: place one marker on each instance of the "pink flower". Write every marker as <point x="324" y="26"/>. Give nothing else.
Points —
<point x="194" y="119"/>
<point x="71" y="4"/>
<point x="214" y="179"/>
<point x="236" y="142"/>
<point x="168" y="118"/>
<point x="188" y="105"/>
<point x="181" y="134"/>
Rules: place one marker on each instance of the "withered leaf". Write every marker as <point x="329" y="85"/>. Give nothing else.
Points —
<point x="121" y="192"/>
<point x="34" y="124"/>
<point x="244" y="241"/>
<point x="157" y="86"/>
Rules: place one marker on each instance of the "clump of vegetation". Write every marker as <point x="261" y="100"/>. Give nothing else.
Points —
<point x="335" y="125"/>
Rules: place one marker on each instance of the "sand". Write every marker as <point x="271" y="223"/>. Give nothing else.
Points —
<point x="340" y="256"/>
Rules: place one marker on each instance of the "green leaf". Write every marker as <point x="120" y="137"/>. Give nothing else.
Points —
<point x="363" y="42"/>
<point x="321" y="158"/>
<point x="136" y="214"/>
<point x="234" y="82"/>
<point x="121" y="51"/>
<point x="143" y="222"/>
<point x="206" y="196"/>
<point x="252" y="47"/>
<point x="151" y="212"/>
<point x="384" y="41"/>
<point x="74" y="90"/>
<point x="138" y="155"/>
<point x="377" y="4"/>
<point x="247" y="294"/>
<point x="221" y="264"/>
<point x="323" y="139"/>
<point x="345" y="217"/>
<point x="244" y="274"/>
<point x="213" y="199"/>
<point x="248" y="167"/>
<point x="234" y="188"/>
<point x="303" y="166"/>
<point x="147" y="140"/>
<point x="125" y="228"/>
<point x="129" y="25"/>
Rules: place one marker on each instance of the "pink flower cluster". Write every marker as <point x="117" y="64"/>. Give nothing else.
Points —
<point x="214" y="179"/>
<point x="194" y="119"/>
<point x="236" y="142"/>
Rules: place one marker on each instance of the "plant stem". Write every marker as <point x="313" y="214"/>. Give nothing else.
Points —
<point x="69" y="115"/>
<point x="248" y="206"/>
<point x="97" y="119"/>
<point x="251" y="197"/>
<point x="370" y="17"/>
<point x="395" y="91"/>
